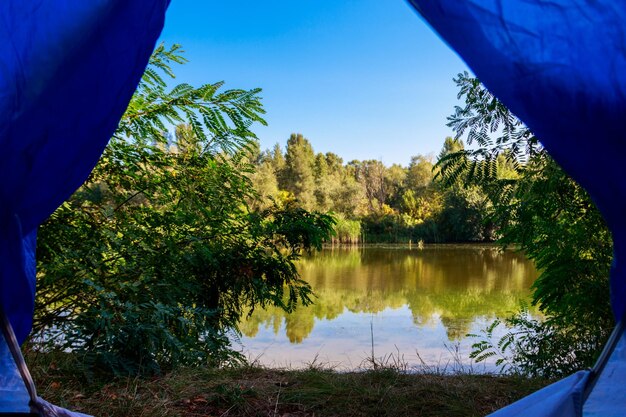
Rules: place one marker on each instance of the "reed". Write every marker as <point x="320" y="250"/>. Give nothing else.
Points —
<point x="347" y="231"/>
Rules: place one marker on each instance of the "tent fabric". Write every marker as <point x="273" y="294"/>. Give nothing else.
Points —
<point x="13" y="394"/>
<point x="566" y="397"/>
<point x="563" y="398"/>
<point x="560" y="66"/>
<point x="68" y="70"/>
<point x="608" y="397"/>
<point x="18" y="393"/>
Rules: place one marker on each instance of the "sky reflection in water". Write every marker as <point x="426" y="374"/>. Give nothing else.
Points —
<point x="416" y="301"/>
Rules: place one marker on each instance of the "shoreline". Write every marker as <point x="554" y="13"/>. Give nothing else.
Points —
<point x="256" y="391"/>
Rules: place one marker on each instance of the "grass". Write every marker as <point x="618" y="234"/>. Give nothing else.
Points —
<point x="257" y="391"/>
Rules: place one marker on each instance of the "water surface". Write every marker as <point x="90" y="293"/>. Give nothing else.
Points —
<point x="416" y="305"/>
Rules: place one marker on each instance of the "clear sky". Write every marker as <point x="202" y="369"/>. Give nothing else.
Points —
<point x="365" y="79"/>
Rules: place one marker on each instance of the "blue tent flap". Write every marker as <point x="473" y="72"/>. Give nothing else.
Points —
<point x="560" y="66"/>
<point x="68" y="70"/>
<point x="13" y="394"/>
<point x="608" y="397"/>
<point x="563" y="398"/>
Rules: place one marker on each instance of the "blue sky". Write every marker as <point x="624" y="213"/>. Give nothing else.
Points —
<point x="366" y="79"/>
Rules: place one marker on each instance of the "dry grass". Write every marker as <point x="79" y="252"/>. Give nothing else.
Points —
<point x="254" y="391"/>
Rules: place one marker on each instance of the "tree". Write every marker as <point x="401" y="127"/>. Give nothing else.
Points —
<point x="299" y="170"/>
<point x="158" y="254"/>
<point x="277" y="159"/>
<point x="464" y="215"/>
<point x="420" y="173"/>
<point x="421" y="198"/>
<point x="186" y="142"/>
<point x="349" y="198"/>
<point x="552" y="219"/>
<point x="371" y="174"/>
<point x="450" y="146"/>
<point x="265" y="184"/>
<point x="556" y="223"/>
<point x="395" y="179"/>
<point x="466" y="206"/>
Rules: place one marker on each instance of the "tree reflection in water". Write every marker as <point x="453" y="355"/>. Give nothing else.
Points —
<point x="454" y="286"/>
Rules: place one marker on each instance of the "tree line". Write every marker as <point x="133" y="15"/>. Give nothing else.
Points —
<point x="372" y="202"/>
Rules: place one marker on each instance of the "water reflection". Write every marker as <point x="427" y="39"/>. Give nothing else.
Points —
<point x="447" y="289"/>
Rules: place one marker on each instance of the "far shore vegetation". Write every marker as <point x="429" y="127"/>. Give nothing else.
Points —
<point x="176" y="235"/>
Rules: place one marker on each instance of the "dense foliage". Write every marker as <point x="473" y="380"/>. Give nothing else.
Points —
<point x="538" y="208"/>
<point x="157" y="256"/>
<point x="373" y="202"/>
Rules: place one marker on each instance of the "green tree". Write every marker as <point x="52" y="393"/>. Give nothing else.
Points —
<point x="423" y="205"/>
<point x="395" y="179"/>
<point x="299" y="170"/>
<point x="349" y="198"/>
<point x="466" y="211"/>
<point x="158" y="254"/>
<point x="420" y="173"/>
<point x="186" y="142"/>
<point x="538" y="207"/>
<point x="277" y="159"/>
<point x="324" y="184"/>
<point x="464" y="216"/>
<point x="371" y="174"/>
<point x="555" y="222"/>
<point x="450" y="146"/>
<point x="265" y="184"/>
<point x="421" y="198"/>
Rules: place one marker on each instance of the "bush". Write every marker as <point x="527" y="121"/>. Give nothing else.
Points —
<point x="157" y="256"/>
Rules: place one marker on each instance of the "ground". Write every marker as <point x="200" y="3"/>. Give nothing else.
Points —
<point x="255" y="391"/>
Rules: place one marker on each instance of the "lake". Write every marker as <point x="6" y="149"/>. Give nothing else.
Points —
<point x="415" y="304"/>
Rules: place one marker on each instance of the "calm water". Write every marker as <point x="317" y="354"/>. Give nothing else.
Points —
<point x="418" y="304"/>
